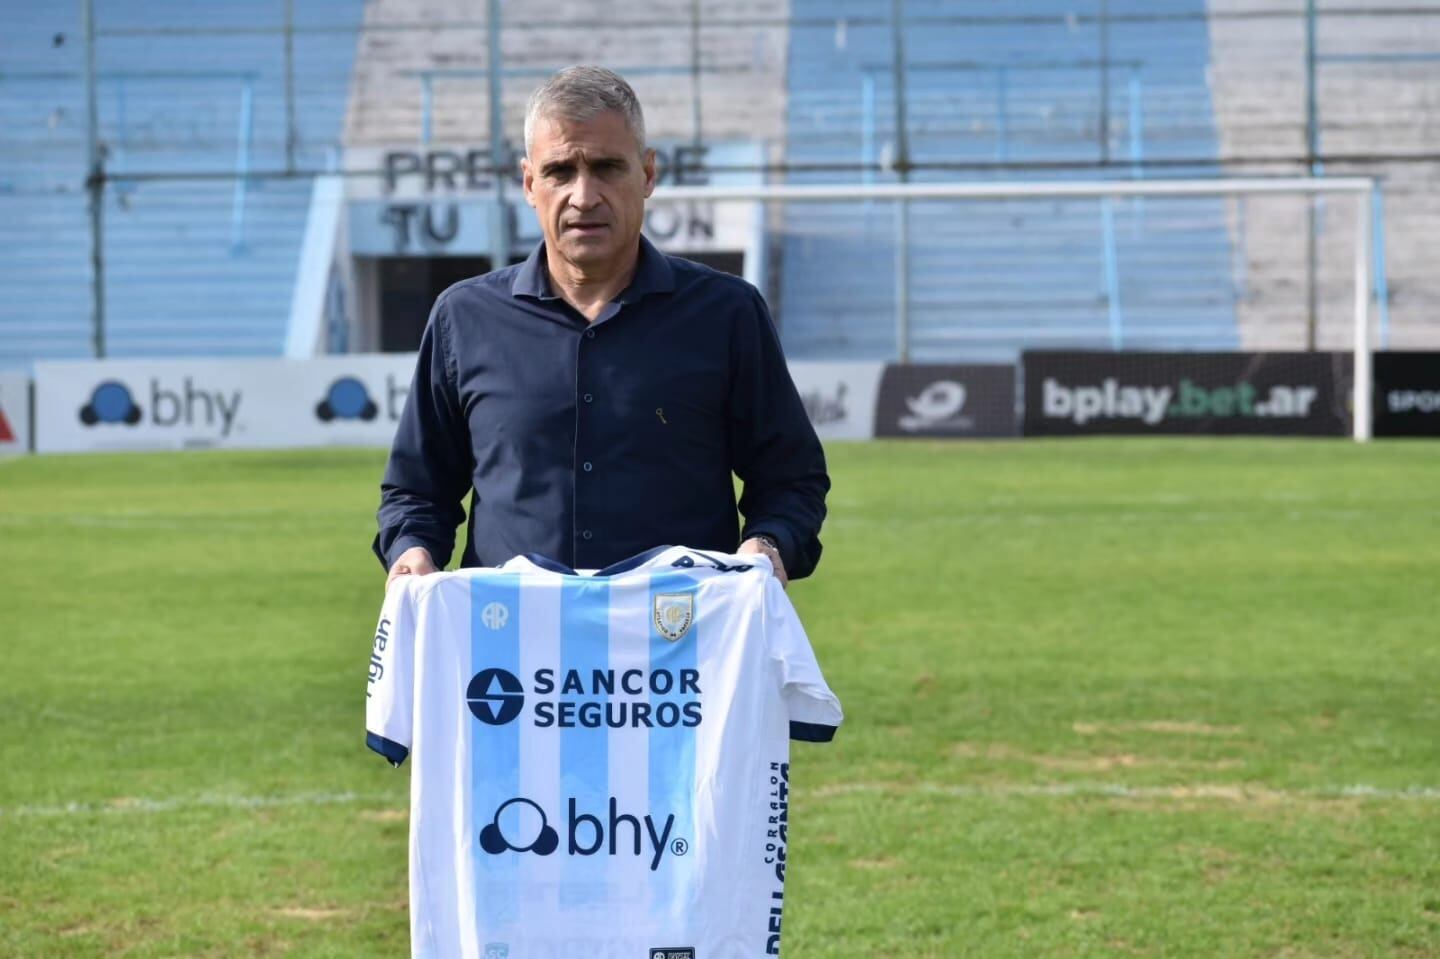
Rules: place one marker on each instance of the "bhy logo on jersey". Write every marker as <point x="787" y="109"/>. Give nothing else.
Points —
<point x="589" y="699"/>
<point x="520" y="825"/>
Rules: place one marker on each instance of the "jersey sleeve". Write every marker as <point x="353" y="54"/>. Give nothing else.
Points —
<point x="814" y="711"/>
<point x="390" y="693"/>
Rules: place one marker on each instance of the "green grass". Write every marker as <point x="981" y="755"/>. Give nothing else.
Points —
<point x="1103" y="698"/>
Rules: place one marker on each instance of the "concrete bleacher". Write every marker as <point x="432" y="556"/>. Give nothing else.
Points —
<point x="185" y="276"/>
<point x="741" y="86"/>
<point x="1377" y="78"/>
<point x="991" y="278"/>
<point x="190" y="269"/>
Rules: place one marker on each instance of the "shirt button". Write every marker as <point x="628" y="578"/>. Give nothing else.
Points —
<point x="585" y="534"/>
<point x="590" y="334"/>
<point x="589" y="398"/>
<point x="588" y="467"/>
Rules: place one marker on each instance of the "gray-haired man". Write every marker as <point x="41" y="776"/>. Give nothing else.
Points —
<point x="595" y="400"/>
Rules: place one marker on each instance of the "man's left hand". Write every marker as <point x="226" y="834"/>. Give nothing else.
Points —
<point x="755" y="545"/>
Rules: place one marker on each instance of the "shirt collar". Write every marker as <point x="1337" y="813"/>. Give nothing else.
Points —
<point x="657" y="558"/>
<point x="652" y="275"/>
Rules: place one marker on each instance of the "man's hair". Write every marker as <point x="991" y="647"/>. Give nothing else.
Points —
<point x="581" y="93"/>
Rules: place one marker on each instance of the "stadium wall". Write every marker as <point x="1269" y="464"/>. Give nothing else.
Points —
<point x="356" y="400"/>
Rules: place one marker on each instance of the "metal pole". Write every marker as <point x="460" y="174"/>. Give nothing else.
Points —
<point x="244" y="136"/>
<point x="94" y="184"/>
<point x="1382" y="281"/>
<point x="1104" y="119"/>
<point x="1364" y="230"/>
<point x="867" y="126"/>
<point x="291" y="135"/>
<point x="1002" y="114"/>
<point x="500" y="222"/>
<point x="1002" y="190"/>
<point x="1112" y="274"/>
<point x="696" y="128"/>
<point x="1137" y="148"/>
<point x="1312" y="152"/>
<point x="902" y="167"/>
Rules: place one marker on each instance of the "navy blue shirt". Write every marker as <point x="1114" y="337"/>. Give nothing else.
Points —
<point x="589" y="442"/>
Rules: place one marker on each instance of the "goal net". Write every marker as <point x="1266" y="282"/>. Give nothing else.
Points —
<point x="1213" y="305"/>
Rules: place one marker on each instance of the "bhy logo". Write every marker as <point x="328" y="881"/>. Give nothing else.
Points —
<point x="186" y="406"/>
<point x="348" y="398"/>
<point x="110" y="402"/>
<point x="937" y="406"/>
<point x="520" y="825"/>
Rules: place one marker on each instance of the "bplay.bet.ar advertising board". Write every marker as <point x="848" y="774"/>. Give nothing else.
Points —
<point x="1297" y="394"/>
<point x="181" y="404"/>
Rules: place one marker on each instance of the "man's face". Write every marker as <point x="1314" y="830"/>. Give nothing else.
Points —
<point x="588" y="182"/>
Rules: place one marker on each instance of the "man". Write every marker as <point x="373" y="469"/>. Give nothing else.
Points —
<point x="595" y="400"/>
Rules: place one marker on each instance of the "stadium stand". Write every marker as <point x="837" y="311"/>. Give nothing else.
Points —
<point x="204" y="259"/>
<point x="194" y="266"/>
<point x="741" y="88"/>
<point x="988" y="278"/>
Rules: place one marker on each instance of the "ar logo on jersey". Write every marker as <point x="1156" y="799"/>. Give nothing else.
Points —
<point x="495" y="696"/>
<point x="497" y="950"/>
<point x="674" y="614"/>
<point x="495" y="615"/>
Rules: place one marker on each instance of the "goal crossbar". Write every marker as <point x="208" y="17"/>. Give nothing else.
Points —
<point x="1361" y="188"/>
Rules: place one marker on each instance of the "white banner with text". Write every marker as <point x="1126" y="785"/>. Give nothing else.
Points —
<point x="352" y="400"/>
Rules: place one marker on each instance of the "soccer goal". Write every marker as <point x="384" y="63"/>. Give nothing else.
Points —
<point x="982" y="271"/>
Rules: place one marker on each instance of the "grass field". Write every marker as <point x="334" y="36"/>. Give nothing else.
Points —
<point x="1132" y="698"/>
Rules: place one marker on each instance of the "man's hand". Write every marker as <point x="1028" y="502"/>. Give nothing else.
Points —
<point x="756" y="545"/>
<point x="415" y="561"/>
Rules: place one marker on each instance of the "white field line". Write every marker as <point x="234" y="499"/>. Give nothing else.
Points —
<point x="203" y="801"/>
<point x="1227" y="792"/>
<point x="1233" y="792"/>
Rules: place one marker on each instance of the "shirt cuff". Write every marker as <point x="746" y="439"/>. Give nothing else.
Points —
<point x="784" y="541"/>
<point x="401" y="544"/>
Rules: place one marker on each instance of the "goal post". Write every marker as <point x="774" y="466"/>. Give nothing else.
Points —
<point x="1360" y="190"/>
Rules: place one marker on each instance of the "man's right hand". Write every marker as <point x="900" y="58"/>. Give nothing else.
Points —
<point x="415" y="561"/>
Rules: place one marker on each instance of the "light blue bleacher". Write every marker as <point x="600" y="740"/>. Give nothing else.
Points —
<point x="190" y="267"/>
<point x="989" y="278"/>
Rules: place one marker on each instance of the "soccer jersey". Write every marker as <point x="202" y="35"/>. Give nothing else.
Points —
<point x="600" y="762"/>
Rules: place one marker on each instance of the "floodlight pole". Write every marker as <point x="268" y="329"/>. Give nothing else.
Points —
<point x="94" y="184"/>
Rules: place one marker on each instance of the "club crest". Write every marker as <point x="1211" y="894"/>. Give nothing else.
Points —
<point x="674" y="612"/>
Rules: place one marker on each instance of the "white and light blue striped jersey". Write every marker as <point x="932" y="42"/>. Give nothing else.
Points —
<point x="600" y="761"/>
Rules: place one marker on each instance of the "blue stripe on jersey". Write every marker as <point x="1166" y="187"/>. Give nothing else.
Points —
<point x="584" y="750"/>
<point x="672" y="752"/>
<point x="495" y="747"/>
